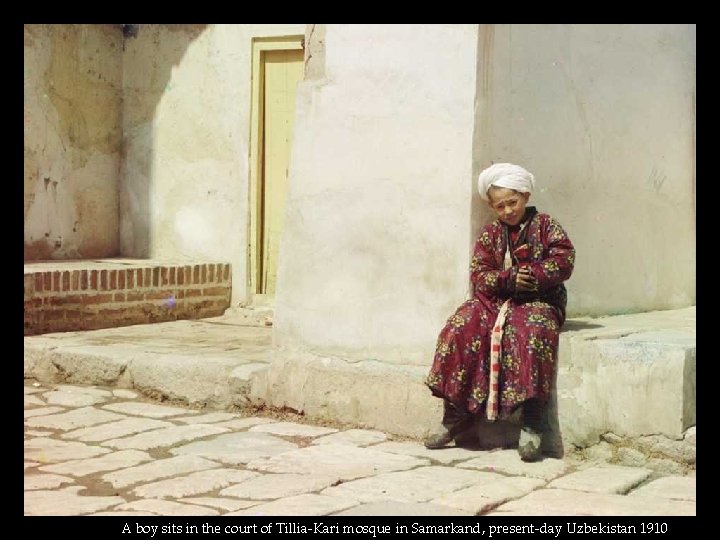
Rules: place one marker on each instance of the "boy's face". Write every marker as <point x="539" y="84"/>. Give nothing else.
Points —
<point x="508" y="204"/>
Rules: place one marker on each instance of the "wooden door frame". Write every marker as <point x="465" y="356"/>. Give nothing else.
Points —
<point x="257" y="112"/>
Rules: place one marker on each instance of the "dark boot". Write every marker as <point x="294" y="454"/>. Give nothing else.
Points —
<point x="454" y="422"/>
<point x="533" y="426"/>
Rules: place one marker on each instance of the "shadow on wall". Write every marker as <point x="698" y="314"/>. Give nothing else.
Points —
<point x="151" y="53"/>
<point x="91" y="99"/>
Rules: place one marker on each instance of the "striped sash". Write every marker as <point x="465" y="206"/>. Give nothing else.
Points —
<point x="496" y="345"/>
<point x="495" y="352"/>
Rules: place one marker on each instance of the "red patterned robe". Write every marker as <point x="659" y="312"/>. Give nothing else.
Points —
<point x="460" y="370"/>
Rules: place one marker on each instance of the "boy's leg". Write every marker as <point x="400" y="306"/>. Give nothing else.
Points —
<point x="533" y="426"/>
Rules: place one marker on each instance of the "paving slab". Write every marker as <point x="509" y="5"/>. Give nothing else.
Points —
<point x="345" y="462"/>
<point x="292" y="429"/>
<point x="445" y="456"/>
<point x="603" y="479"/>
<point x="160" y="438"/>
<point x="245" y="423"/>
<point x="209" y="418"/>
<point x="237" y="448"/>
<point x="147" y="409"/>
<point x="116" y="429"/>
<point x="65" y="502"/>
<point x="221" y="503"/>
<point x="488" y="494"/>
<point x="72" y="399"/>
<point x="670" y="487"/>
<point x="167" y="508"/>
<point x="89" y="390"/>
<point x="196" y="483"/>
<point x="563" y="502"/>
<point x="109" y="462"/>
<point x="397" y="508"/>
<point x="30" y="433"/>
<point x="278" y="486"/>
<point x="34" y="401"/>
<point x="42" y="411"/>
<point x="47" y="450"/>
<point x="162" y="468"/>
<point x="74" y="419"/>
<point x="299" y="505"/>
<point x="353" y="437"/>
<point x="417" y="485"/>
<point x="46" y="481"/>
<point x="509" y="462"/>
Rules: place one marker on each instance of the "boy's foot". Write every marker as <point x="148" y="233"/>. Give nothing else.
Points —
<point x="529" y="445"/>
<point x="448" y="434"/>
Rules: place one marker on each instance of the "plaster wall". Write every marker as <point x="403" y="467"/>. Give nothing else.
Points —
<point x="604" y="116"/>
<point x="374" y="255"/>
<point x="186" y="120"/>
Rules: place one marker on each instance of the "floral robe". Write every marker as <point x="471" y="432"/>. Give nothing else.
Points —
<point x="460" y="370"/>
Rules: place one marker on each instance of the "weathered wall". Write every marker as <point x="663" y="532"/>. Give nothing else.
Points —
<point x="73" y="96"/>
<point x="186" y="122"/>
<point x="604" y="116"/>
<point x="374" y="255"/>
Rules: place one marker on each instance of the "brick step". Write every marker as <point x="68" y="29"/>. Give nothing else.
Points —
<point x="63" y="296"/>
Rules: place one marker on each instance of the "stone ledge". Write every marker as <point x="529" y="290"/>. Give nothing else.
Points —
<point x="601" y="370"/>
<point x="613" y="372"/>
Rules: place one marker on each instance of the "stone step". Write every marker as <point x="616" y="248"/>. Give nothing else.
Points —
<point x="636" y="382"/>
<point x="632" y="376"/>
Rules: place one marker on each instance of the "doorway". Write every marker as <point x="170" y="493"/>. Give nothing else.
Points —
<point x="277" y="68"/>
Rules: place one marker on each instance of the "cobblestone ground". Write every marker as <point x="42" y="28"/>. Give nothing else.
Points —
<point x="107" y="451"/>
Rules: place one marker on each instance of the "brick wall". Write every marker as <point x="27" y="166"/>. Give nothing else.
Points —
<point x="59" y="300"/>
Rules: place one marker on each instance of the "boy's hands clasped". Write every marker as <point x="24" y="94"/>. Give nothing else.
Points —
<point x="525" y="281"/>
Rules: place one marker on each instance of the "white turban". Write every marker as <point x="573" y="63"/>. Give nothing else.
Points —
<point x="505" y="175"/>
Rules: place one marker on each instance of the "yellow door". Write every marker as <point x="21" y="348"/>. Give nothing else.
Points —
<point x="283" y="70"/>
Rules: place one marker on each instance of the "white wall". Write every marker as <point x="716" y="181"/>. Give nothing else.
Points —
<point x="73" y="96"/>
<point x="604" y="116"/>
<point x="393" y="124"/>
<point x="374" y="256"/>
<point x="186" y="123"/>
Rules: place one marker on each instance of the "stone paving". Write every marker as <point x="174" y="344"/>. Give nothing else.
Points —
<point x="105" y="451"/>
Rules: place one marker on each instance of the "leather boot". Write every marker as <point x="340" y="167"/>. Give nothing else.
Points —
<point x="454" y="422"/>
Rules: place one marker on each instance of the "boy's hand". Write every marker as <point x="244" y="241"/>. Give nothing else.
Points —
<point x="525" y="281"/>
